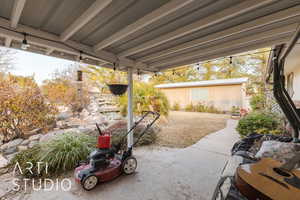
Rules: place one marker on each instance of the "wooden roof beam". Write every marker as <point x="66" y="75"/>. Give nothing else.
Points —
<point x="86" y="17"/>
<point x="16" y="12"/>
<point x="155" y="15"/>
<point x="8" y="41"/>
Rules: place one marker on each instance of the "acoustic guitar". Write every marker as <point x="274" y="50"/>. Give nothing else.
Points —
<point x="265" y="180"/>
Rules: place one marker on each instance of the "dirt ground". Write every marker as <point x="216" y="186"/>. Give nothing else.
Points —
<point x="183" y="129"/>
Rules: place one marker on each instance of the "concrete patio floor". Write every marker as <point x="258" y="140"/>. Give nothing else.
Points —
<point x="163" y="173"/>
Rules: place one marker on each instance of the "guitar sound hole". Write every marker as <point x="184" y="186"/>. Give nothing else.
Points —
<point x="281" y="172"/>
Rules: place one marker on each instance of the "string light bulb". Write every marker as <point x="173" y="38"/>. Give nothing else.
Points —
<point x="114" y="66"/>
<point x="25" y="44"/>
<point x="139" y="74"/>
<point x="80" y="56"/>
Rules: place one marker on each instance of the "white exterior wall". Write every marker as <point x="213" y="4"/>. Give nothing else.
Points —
<point x="292" y="65"/>
<point x="296" y="83"/>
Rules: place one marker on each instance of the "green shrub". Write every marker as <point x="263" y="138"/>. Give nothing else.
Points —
<point x="189" y="108"/>
<point x="235" y="110"/>
<point x="212" y="109"/>
<point x="258" y="122"/>
<point x="200" y="107"/>
<point x="64" y="151"/>
<point x="25" y="157"/>
<point x="258" y="102"/>
<point x="146" y="97"/>
<point x="176" y="106"/>
<point x="61" y="154"/>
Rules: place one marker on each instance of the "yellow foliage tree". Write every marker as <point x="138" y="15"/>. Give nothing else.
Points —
<point x="22" y="107"/>
<point x="180" y="74"/>
<point x="61" y="91"/>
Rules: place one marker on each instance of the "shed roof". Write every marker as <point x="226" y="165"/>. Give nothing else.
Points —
<point x="147" y="35"/>
<point x="232" y="81"/>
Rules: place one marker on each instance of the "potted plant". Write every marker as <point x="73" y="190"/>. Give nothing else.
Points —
<point x="116" y="86"/>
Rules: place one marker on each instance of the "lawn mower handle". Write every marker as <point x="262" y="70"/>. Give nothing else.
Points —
<point x="146" y="113"/>
<point x="157" y="115"/>
<point x="100" y="132"/>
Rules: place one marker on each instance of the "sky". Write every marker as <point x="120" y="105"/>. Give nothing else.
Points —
<point x="27" y="64"/>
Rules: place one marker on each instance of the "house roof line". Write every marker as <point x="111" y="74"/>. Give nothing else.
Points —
<point x="232" y="81"/>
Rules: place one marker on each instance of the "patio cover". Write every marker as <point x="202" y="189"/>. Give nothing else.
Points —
<point x="149" y="35"/>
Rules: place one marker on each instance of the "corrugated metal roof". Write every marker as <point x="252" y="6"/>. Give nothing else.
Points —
<point x="146" y="35"/>
<point x="232" y="81"/>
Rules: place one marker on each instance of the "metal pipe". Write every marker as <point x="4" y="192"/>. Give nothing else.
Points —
<point x="291" y="44"/>
<point x="130" y="107"/>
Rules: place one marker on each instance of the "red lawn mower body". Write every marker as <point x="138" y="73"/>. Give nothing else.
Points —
<point x="112" y="171"/>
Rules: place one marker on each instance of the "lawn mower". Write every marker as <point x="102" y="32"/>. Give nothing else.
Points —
<point x="106" y="162"/>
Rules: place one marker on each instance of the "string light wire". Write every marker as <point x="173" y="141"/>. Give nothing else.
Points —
<point x="95" y="57"/>
<point x="230" y="57"/>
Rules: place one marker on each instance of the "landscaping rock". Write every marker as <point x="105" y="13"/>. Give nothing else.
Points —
<point x="118" y="117"/>
<point x="73" y="126"/>
<point x="34" y="137"/>
<point x="11" y="156"/>
<point x="3" y="162"/>
<point x="6" y="185"/>
<point x="10" y="150"/>
<point x="84" y="113"/>
<point x="62" y="124"/>
<point x="25" y="142"/>
<point x="86" y="130"/>
<point x="63" y="116"/>
<point x="32" y="143"/>
<point x="4" y="170"/>
<point x="35" y="131"/>
<point x="12" y="143"/>
<point x="92" y="119"/>
<point x="51" y="134"/>
<point x="22" y="148"/>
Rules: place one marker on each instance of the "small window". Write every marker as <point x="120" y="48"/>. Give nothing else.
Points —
<point x="199" y="94"/>
<point x="290" y="84"/>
